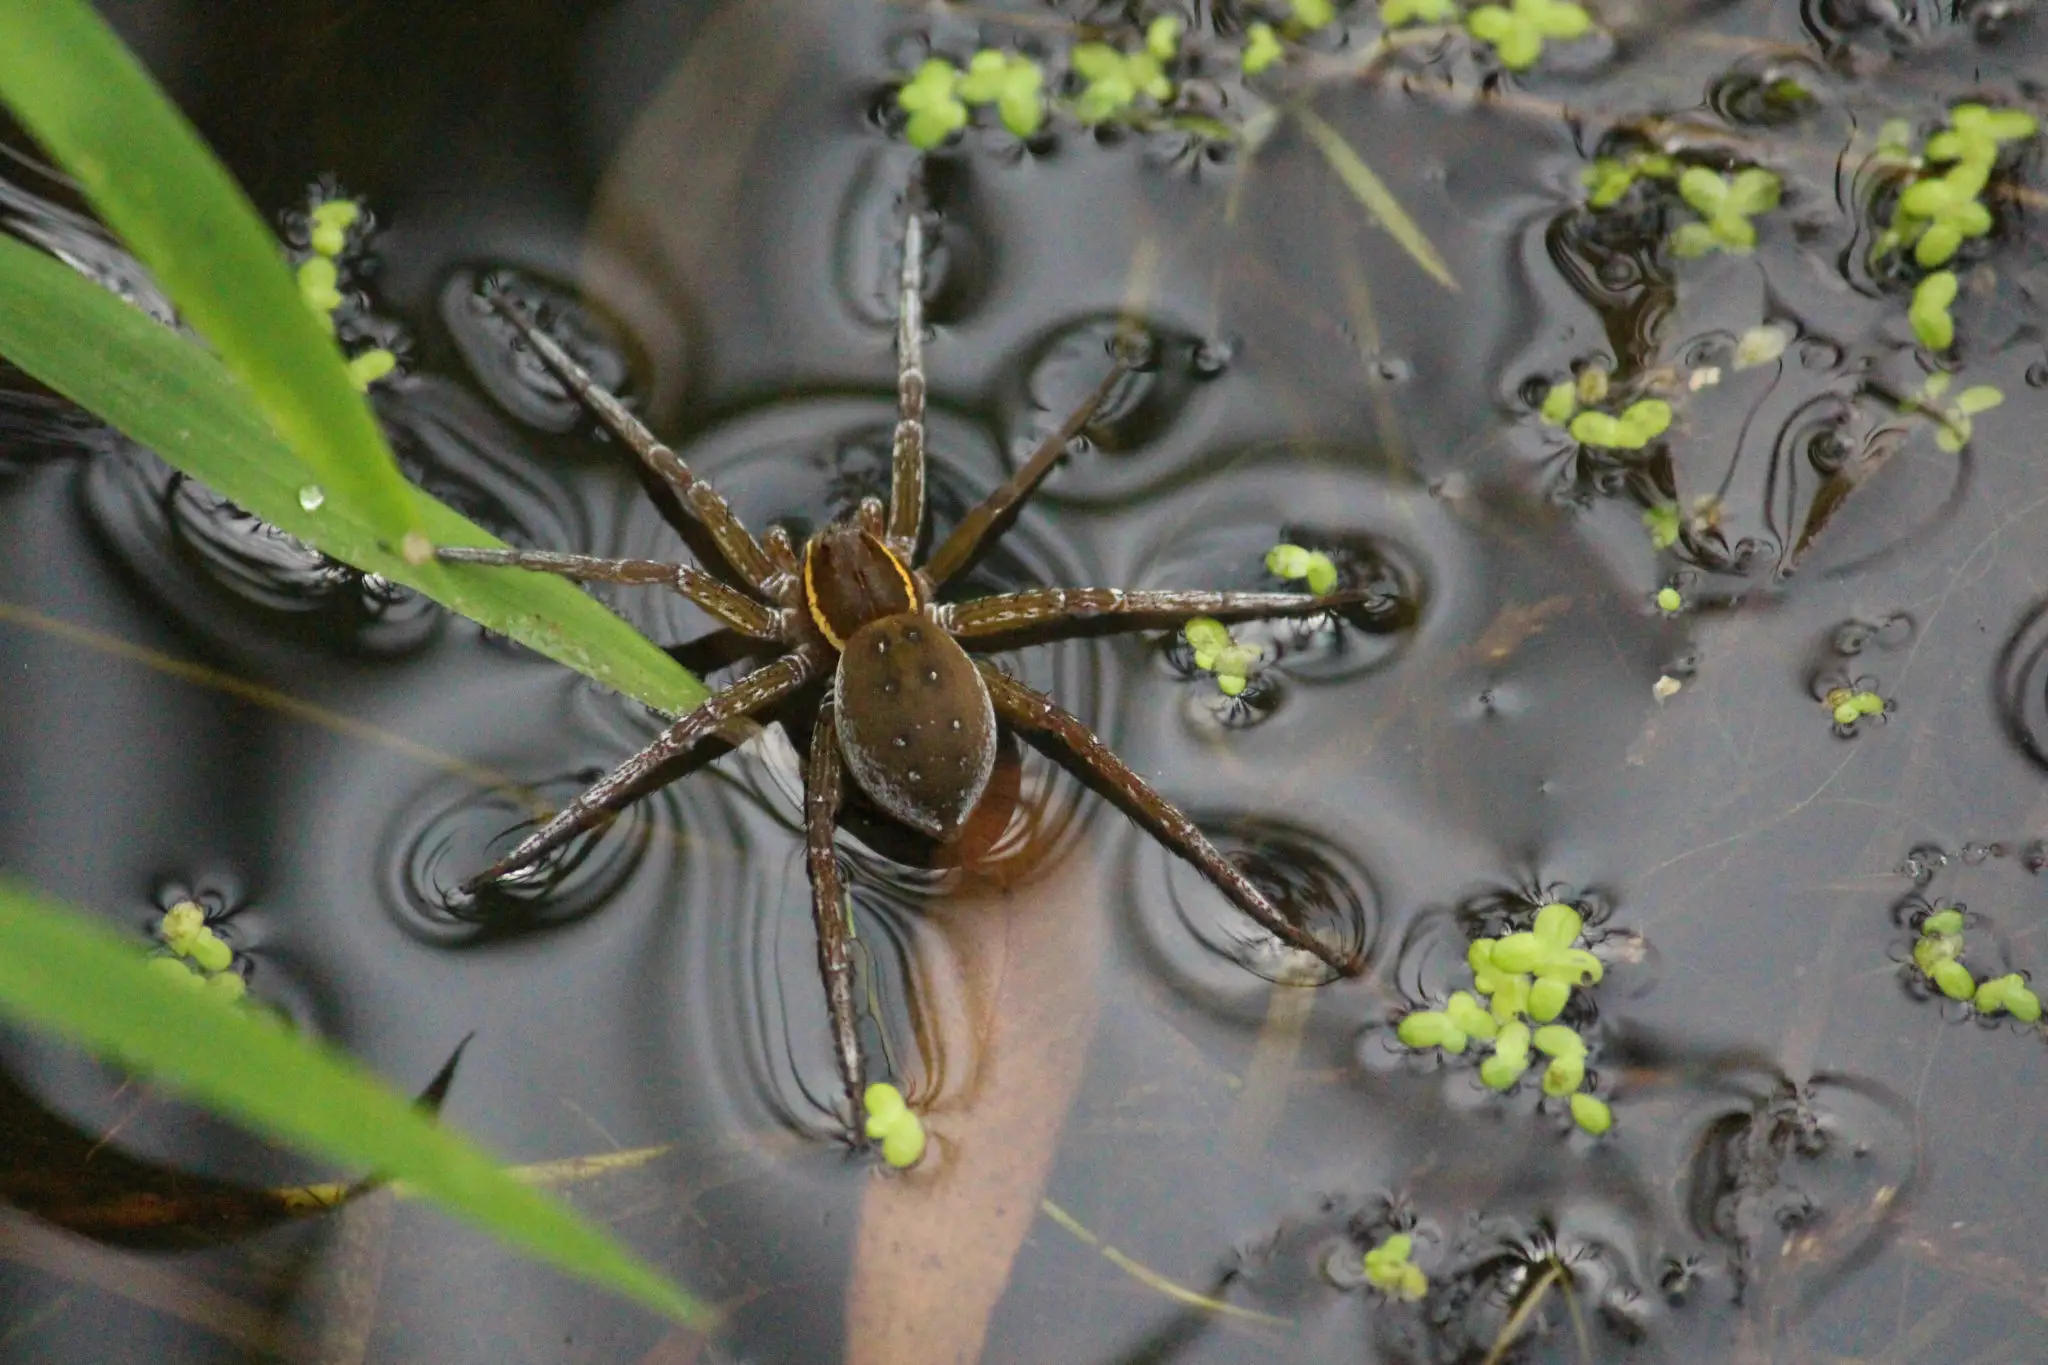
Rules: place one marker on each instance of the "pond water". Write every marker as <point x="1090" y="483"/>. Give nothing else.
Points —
<point x="1814" y="1155"/>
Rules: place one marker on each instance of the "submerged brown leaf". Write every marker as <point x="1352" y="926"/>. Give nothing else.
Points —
<point x="935" y="1246"/>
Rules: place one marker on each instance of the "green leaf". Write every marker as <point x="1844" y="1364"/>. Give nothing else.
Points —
<point x="1753" y="191"/>
<point x="1378" y="200"/>
<point x="61" y="971"/>
<point x="172" y="396"/>
<point x="1705" y="190"/>
<point x="86" y="99"/>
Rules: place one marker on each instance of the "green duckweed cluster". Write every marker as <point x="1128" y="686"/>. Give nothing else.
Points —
<point x="1609" y="179"/>
<point x="1938" y="955"/>
<point x="1942" y="205"/>
<point x="893" y="1123"/>
<point x="1847" y="706"/>
<point x="329" y="225"/>
<point x="1218" y="653"/>
<point x="1312" y="568"/>
<point x="1115" y="83"/>
<point x="1517" y="32"/>
<point x="198" y="957"/>
<point x="1953" y="425"/>
<point x="1570" y="404"/>
<point x="1662" y="522"/>
<point x="1725" y="204"/>
<point x="1521" y="983"/>
<point x="1135" y="78"/>
<point x="1388" y="1268"/>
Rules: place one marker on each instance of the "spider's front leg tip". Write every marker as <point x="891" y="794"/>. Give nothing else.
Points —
<point x="518" y="860"/>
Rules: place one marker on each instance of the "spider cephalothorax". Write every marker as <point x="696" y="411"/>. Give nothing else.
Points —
<point x="910" y="714"/>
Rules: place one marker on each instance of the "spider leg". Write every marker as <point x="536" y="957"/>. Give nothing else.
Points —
<point x="1039" y="716"/>
<point x="775" y="540"/>
<point x="906" y="464"/>
<point x="958" y="549"/>
<point x="734" y="609"/>
<point x="646" y="771"/>
<point x="868" y="516"/>
<point x="823" y="788"/>
<point x="1045" y="608"/>
<point x="739" y="547"/>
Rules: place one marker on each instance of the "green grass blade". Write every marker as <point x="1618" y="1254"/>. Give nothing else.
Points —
<point x="170" y="395"/>
<point x="1379" y="201"/>
<point x="61" y="971"/>
<point x="91" y="104"/>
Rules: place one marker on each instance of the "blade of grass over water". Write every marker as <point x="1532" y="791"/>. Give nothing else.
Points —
<point x="170" y="395"/>
<point x="1379" y="201"/>
<point x="91" y="104"/>
<point x="61" y="971"/>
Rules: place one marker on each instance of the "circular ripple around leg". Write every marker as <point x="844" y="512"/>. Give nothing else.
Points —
<point x="197" y="553"/>
<point x="1214" y="951"/>
<point x="506" y="367"/>
<point x="450" y="829"/>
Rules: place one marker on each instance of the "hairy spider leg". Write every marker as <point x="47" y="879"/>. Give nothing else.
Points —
<point x="1043" y="608"/>
<point x="906" y="463"/>
<point x="734" y="541"/>
<point x="646" y="771"/>
<point x="1037" y="715"/>
<point x="989" y="519"/>
<point x="824" y="788"/>
<point x="734" y="609"/>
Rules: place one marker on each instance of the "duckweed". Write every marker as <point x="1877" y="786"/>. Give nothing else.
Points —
<point x="1726" y="205"/>
<point x="1517" y="33"/>
<point x="1524" y="977"/>
<point x="892" y="1122"/>
<point x="1388" y="1268"/>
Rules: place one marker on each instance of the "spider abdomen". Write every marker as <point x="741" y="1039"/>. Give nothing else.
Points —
<point x="916" y="726"/>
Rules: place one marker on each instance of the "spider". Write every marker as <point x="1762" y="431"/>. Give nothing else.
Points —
<point x="908" y="713"/>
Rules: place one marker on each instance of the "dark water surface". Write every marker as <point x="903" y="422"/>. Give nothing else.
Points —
<point x="1811" y="1160"/>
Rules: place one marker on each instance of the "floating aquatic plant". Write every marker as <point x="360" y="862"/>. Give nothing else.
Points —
<point x="1939" y="211"/>
<point x="1525" y="980"/>
<point x="1388" y="1268"/>
<point x="1517" y="32"/>
<point x="198" y="956"/>
<point x="1009" y="81"/>
<point x="1955" y="421"/>
<point x="1640" y="423"/>
<point x="1726" y="204"/>
<point x="893" y="1123"/>
<point x="1938" y="955"/>
<point x="1847" y="706"/>
<point x="1261" y="49"/>
<point x="1217" y="652"/>
<point x="1312" y="567"/>
<point x="1610" y="178"/>
<point x="1400" y="13"/>
<point x="932" y="99"/>
<point x="1116" y="80"/>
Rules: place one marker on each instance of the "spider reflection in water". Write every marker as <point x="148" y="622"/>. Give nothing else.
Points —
<point x="907" y="712"/>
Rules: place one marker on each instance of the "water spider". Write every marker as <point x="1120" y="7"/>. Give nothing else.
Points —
<point x="906" y="709"/>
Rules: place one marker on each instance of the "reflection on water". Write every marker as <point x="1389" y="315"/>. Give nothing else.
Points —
<point x="1478" y="739"/>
